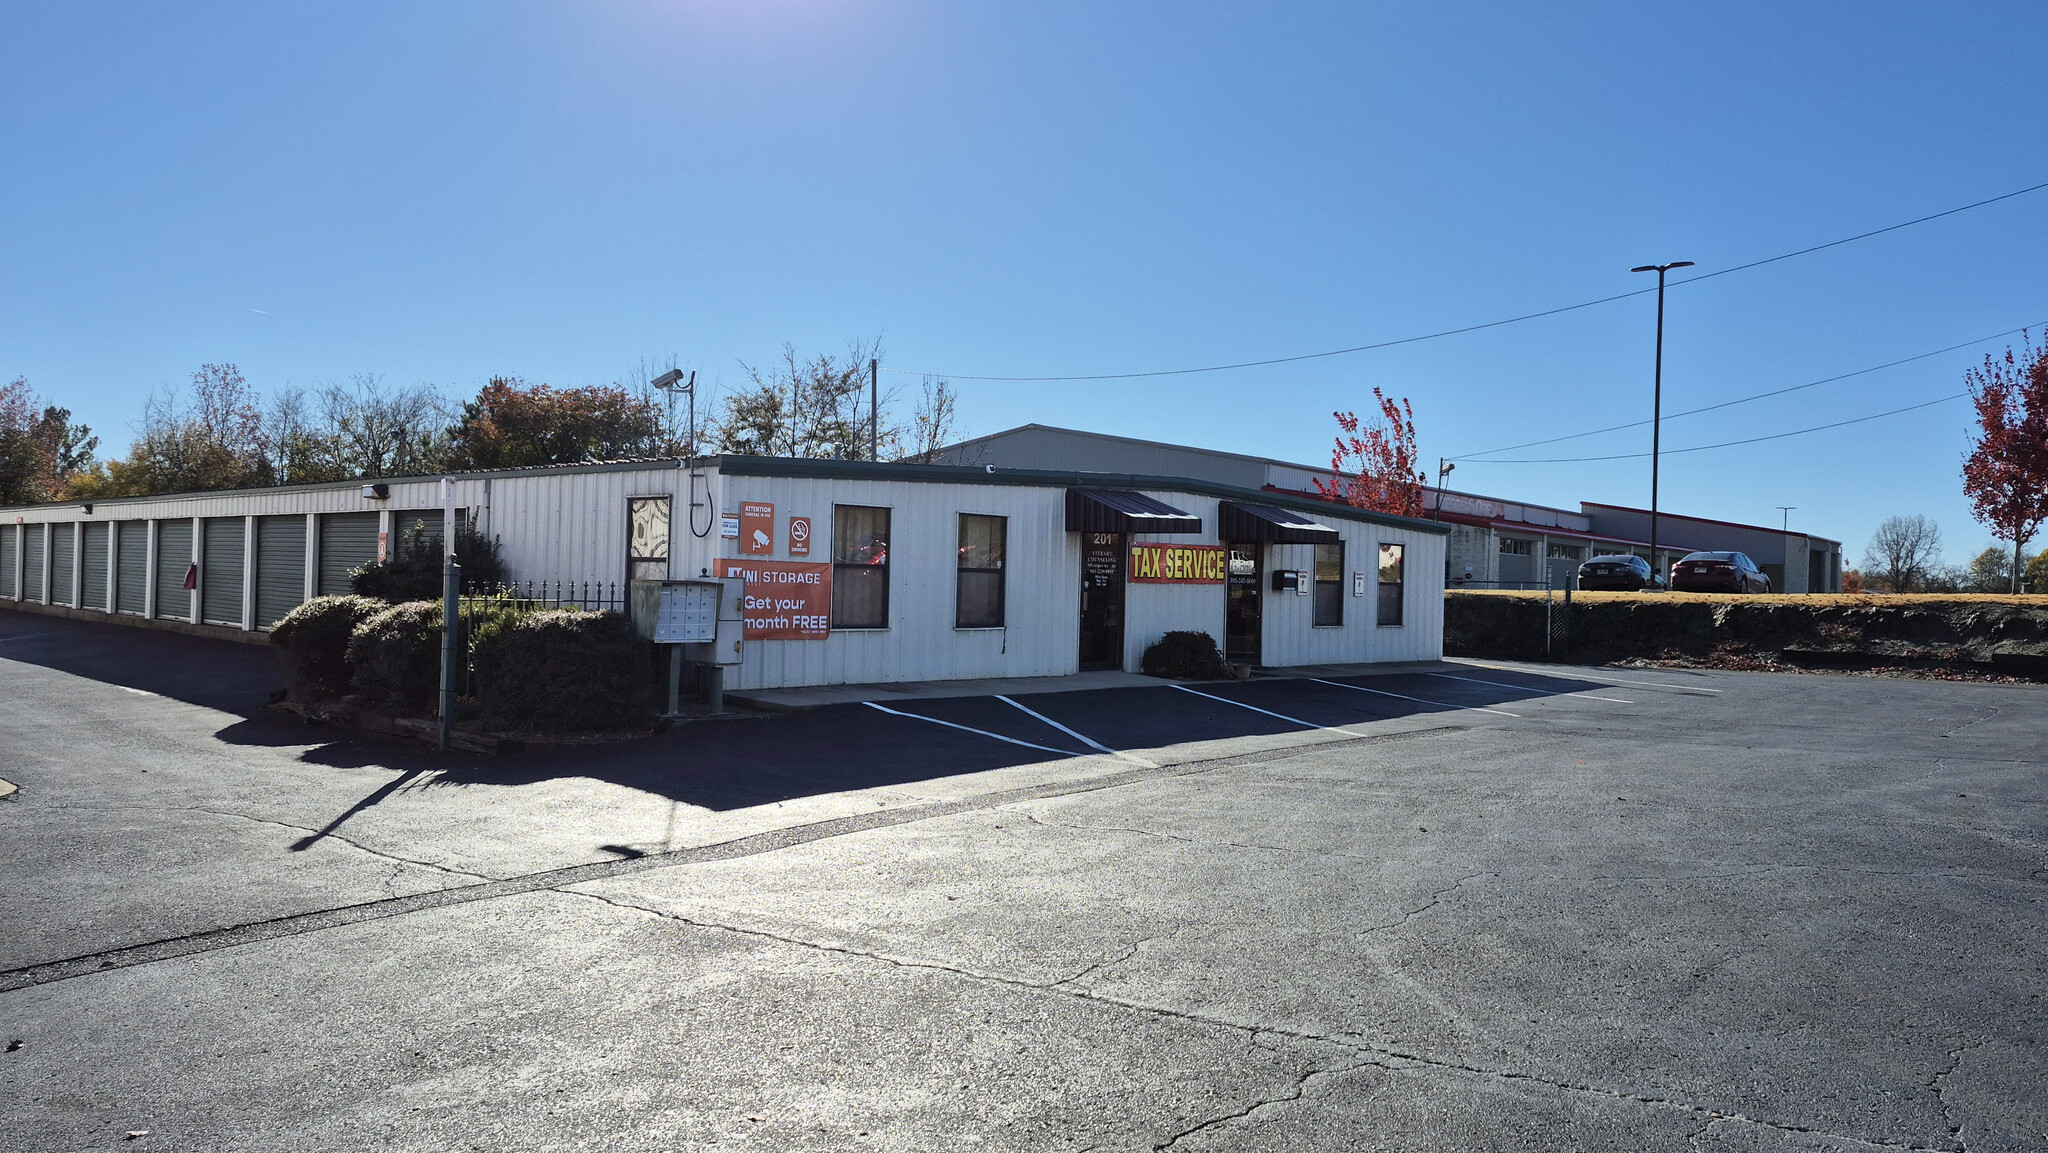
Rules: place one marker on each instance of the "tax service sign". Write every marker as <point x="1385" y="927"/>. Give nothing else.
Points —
<point x="786" y="600"/>
<point x="1203" y="564"/>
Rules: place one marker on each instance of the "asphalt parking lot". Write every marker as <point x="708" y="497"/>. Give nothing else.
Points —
<point x="1489" y="907"/>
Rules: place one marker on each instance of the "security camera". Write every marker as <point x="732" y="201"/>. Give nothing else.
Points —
<point x="669" y="379"/>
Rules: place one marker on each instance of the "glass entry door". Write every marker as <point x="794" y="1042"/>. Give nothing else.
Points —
<point x="1102" y="600"/>
<point x="1241" y="614"/>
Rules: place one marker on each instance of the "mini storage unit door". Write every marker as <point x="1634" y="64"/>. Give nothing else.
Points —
<point x="131" y="578"/>
<point x="10" y="550"/>
<point x="220" y="572"/>
<point x="32" y="563"/>
<point x="63" y="561"/>
<point x="347" y="540"/>
<point x="95" y="562"/>
<point x="173" y="555"/>
<point x="280" y="567"/>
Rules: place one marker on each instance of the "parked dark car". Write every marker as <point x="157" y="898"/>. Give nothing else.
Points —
<point x="1615" y="574"/>
<point x="1718" y="572"/>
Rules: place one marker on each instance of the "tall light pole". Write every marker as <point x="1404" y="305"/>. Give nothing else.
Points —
<point x="1785" y="517"/>
<point x="1657" y="409"/>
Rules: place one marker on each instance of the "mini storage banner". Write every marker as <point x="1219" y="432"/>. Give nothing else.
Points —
<point x="786" y="600"/>
<point x="1204" y="564"/>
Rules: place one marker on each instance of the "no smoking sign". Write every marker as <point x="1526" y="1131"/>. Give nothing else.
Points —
<point x="799" y="536"/>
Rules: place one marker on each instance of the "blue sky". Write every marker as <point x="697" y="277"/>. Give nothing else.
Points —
<point x="440" y="192"/>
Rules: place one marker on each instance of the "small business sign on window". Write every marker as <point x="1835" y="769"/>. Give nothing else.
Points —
<point x="757" y="527"/>
<point x="1179" y="563"/>
<point x="799" y="536"/>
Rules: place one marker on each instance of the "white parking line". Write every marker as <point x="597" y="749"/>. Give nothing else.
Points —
<point x="976" y="732"/>
<point x="1269" y="712"/>
<point x="1420" y="700"/>
<point x="1530" y="688"/>
<point x="1607" y="679"/>
<point x="1086" y="740"/>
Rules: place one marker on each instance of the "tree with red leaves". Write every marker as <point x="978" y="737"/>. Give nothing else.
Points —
<point x="1375" y="460"/>
<point x="2006" y="474"/>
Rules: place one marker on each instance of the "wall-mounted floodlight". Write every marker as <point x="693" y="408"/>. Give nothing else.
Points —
<point x="87" y="508"/>
<point x="376" y="491"/>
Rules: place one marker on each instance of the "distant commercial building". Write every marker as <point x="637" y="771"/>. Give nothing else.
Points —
<point x="1494" y="542"/>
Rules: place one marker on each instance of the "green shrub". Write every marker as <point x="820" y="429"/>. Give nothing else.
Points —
<point x="1186" y="655"/>
<point x="315" y="639"/>
<point x="396" y="657"/>
<point x="414" y="571"/>
<point x="560" y="670"/>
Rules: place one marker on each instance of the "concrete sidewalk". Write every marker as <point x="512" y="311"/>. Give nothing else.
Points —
<point x="818" y="696"/>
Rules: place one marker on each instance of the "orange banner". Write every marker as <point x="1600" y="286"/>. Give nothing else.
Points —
<point x="786" y="600"/>
<point x="1179" y="563"/>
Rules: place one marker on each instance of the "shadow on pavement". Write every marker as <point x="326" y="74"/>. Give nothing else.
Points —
<point x="740" y="763"/>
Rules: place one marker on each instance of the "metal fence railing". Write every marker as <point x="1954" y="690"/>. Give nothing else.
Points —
<point x="480" y="600"/>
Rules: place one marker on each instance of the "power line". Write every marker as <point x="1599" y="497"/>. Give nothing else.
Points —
<point x="1488" y="324"/>
<point x="1733" y="443"/>
<point x="1476" y="456"/>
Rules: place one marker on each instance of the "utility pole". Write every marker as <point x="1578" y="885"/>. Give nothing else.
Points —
<point x="1657" y="412"/>
<point x="1443" y="469"/>
<point x="874" y="410"/>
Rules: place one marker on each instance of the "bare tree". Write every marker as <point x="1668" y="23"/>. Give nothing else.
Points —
<point x="378" y="431"/>
<point x="931" y="429"/>
<point x="1902" y="553"/>
<point x="806" y="408"/>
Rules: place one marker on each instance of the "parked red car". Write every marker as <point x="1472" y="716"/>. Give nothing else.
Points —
<point x="1718" y="572"/>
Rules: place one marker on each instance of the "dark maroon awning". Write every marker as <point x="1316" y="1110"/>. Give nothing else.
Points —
<point x="1112" y="510"/>
<point x="1263" y="522"/>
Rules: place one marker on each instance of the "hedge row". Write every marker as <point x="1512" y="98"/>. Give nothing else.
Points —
<point x="534" y="670"/>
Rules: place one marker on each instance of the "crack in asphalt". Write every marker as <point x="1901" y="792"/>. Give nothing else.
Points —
<point x="1955" y="1062"/>
<point x="1371" y="1053"/>
<point x="772" y="840"/>
<point x="1995" y="710"/>
<point x="356" y="845"/>
<point x="1299" y="1090"/>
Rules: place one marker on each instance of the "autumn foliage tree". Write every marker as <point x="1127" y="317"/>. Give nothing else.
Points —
<point x="2006" y="474"/>
<point x="39" y="451"/>
<point x="512" y="424"/>
<point x="1375" y="462"/>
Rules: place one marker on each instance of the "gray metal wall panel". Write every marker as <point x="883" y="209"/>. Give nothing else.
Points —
<point x="63" y="547"/>
<point x="95" y="566"/>
<point x="347" y="540"/>
<point x="173" y="554"/>
<point x="280" y="567"/>
<point x="220" y="571"/>
<point x="10" y="538"/>
<point x="32" y="564"/>
<point x="131" y="583"/>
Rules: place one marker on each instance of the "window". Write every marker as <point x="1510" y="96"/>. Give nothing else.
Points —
<point x="1330" y="584"/>
<point x="978" y="599"/>
<point x="1390" y="584"/>
<point x="1511" y="547"/>
<point x="1567" y="552"/>
<point x="860" y="567"/>
<point x="647" y="536"/>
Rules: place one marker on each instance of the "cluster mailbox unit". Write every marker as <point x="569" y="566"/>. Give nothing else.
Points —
<point x="829" y="572"/>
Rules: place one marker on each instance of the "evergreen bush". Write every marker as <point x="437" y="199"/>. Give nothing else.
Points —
<point x="561" y="670"/>
<point x="396" y="658"/>
<point x="1185" y="655"/>
<point x="315" y="639"/>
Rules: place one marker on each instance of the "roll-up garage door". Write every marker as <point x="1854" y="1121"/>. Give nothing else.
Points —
<point x="131" y="580"/>
<point x="63" y="562"/>
<point x="280" y="567"/>
<point x="418" y="529"/>
<point x="32" y="563"/>
<point x="173" y="555"/>
<point x="347" y="540"/>
<point x="95" y="561"/>
<point x="220" y="571"/>
<point x="10" y="549"/>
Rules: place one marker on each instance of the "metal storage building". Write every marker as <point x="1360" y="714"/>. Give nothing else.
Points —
<point x="856" y="572"/>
